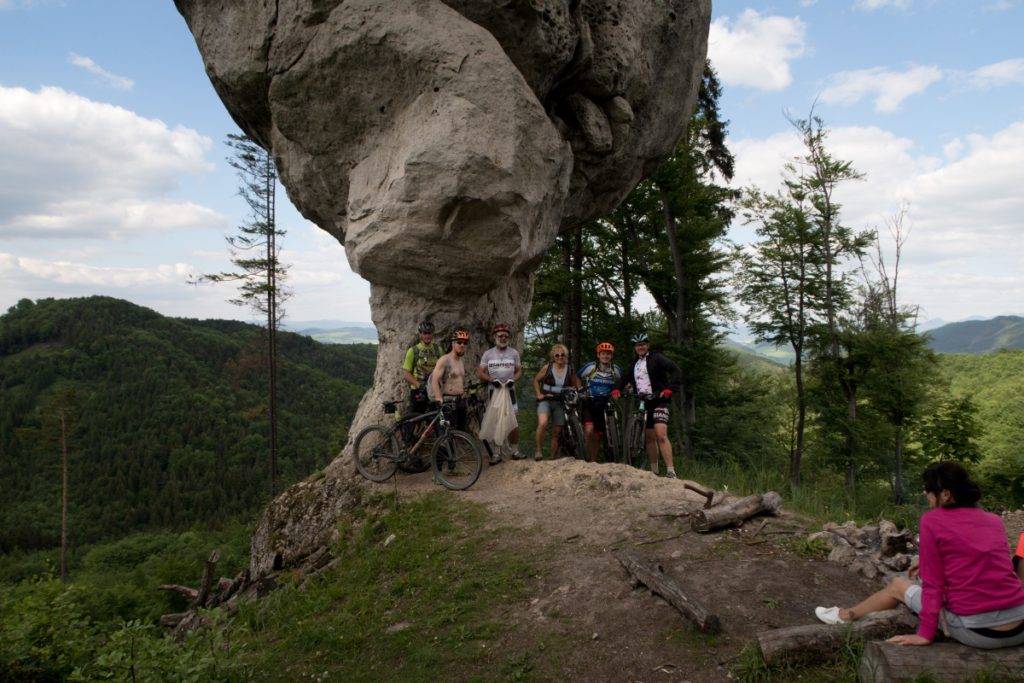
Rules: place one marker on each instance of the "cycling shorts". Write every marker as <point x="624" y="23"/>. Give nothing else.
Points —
<point x="656" y="414"/>
<point x="460" y="414"/>
<point x="593" y="413"/>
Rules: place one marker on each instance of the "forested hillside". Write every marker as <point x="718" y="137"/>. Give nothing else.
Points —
<point x="995" y="382"/>
<point x="979" y="336"/>
<point x="166" y="419"/>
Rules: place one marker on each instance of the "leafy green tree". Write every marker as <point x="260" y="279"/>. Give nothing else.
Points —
<point x="256" y="255"/>
<point x="815" y="175"/>
<point x="952" y="431"/>
<point x="779" y="284"/>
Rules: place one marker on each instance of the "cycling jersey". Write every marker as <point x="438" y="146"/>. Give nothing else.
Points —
<point x="600" y="381"/>
<point x="421" y="359"/>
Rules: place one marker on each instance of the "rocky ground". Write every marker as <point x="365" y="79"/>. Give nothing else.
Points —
<point x="585" y="619"/>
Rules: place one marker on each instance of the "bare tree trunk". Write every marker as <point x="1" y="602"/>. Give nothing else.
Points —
<point x="627" y="286"/>
<point x="797" y="454"/>
<point x="849" y="444"/>
<point x="63" y="498"/>
<point x="272" y="297"/>
<point x="898" y="482"/>
<point x="682" y="328"/>
<point x="575" y="349"/>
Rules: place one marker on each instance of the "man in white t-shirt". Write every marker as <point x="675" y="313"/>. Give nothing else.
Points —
<point x="500" y="367"/>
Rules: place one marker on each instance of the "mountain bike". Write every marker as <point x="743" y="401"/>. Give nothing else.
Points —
<point x="634" y="449"/>
<point x="456" y="457"/>
<point x="613" y="450"/>
<point x="571" y="442"/>
<point x="475" y="405"/>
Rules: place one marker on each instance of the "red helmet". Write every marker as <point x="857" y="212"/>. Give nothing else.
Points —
<point x="461" y="335"/>
<point x="500" y="327"/>
<point x="605" y="346"/>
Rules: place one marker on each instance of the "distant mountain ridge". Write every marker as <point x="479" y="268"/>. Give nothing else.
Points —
<point x="979" y="336"/>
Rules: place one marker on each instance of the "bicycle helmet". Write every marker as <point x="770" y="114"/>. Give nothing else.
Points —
<point x="426" y="327"/>
<point x="641" y="338"/>
<point x="461" y="334"/>
<point x="605" y="346"/>
<point x="500" y="327"/>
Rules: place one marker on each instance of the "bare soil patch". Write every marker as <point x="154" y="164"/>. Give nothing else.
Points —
<point x="585" y="618"/>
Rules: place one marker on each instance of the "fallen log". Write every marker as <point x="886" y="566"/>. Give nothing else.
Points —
<point x="654" y="577"/>
<point x="814" y="642"/>
<point x="735" y="512"/>
<point x="172" y="620"/>
<point x="887" y="662"/>
<point x="184" y="591"/>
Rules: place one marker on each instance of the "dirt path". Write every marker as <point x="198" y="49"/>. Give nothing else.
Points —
<point x="585" y="618"/>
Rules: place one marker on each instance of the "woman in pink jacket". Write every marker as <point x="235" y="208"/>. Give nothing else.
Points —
<point x="968" y="584"/>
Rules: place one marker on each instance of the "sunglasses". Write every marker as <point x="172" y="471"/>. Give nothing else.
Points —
<point x="559" y="355"/>
<point x="460" y="343"/>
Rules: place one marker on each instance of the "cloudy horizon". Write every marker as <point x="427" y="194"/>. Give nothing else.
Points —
<point x="115" y="179"/>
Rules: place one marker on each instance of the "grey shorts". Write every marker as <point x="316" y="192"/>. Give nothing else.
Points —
<point x="952" y="625"/>
<point x="553" y="408"/>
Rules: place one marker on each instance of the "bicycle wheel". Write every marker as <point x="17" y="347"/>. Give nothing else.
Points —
<point x="376" y="453"/>
<point x="613" y="449"/>
<point x="458" y="460"/>
<point x="571" y="443"/>
<point x="635" y="452"/>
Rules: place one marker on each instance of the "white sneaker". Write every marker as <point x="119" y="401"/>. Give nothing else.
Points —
<point x="828" y="615"/>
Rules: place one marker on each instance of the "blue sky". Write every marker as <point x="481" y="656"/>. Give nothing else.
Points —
<point x="114" y="179"/>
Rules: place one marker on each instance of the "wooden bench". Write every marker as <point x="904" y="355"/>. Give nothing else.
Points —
<point x="884" y="662"/>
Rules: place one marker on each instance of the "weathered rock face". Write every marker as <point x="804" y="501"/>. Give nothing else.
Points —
<point x="445" y="142"/>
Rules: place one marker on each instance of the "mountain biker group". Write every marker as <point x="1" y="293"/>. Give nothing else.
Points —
<point x="436" y="377"/>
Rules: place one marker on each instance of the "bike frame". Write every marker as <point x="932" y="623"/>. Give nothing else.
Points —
<point x="436" y="418"/>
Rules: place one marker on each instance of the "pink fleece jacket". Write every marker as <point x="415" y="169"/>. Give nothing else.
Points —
<point x="965" y="566"/>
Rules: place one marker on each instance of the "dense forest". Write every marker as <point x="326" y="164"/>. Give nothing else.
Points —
<point x="165" y="418"/>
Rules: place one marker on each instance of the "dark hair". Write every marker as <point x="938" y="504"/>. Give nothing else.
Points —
<point x="954" y="478"/>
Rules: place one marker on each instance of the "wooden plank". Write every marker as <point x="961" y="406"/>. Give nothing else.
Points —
<point x="652" y="576"/>
<point x="889" y="663"/>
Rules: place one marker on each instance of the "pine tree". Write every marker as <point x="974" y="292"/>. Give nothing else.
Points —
<point x="255" y="253"/>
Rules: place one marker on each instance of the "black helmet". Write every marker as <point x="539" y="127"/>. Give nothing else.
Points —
<point x="426" y="327"/>
<point x="640" y="338"/>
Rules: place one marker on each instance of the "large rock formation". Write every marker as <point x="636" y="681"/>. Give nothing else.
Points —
<point x="444" y="143"/>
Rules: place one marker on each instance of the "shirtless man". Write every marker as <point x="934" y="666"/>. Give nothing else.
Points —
<point x="448" y="379"/>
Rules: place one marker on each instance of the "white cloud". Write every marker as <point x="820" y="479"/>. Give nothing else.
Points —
<point x="27" y="4"/>
<point x="755" y="50"/>
<point x="1000" y="5"/>
<point x="872" y="5"/>
<point x="111" y="79"/>
<point x="75" y="167"/>
<point x="966" y="254"/>
<point x="1006" y="72"/>
<point x="70" y="273"/>
<point x="889" y="88"/>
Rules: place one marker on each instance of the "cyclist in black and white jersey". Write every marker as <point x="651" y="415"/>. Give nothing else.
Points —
<point x="655" y="376"/>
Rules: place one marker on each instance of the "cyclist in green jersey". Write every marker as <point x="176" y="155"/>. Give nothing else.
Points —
<point x="420" y="360"/>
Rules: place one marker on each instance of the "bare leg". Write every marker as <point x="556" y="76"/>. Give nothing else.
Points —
<point x="887" y="598"/>
<point x="590" y="438"/>
<point x="555" y="431"/>
<point x="664" y="445"/>
<point x="542" y="423"/>
<point x="651" y="444"/>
